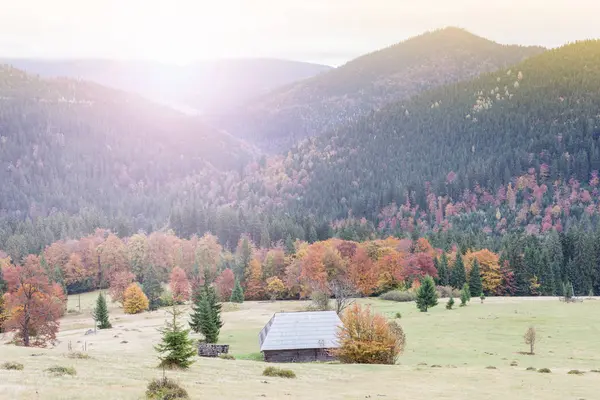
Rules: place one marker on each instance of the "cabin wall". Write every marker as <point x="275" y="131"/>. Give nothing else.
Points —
<point x="301" y="355"/>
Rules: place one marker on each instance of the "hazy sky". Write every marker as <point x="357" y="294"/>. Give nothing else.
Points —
<point x="327" y="31"/>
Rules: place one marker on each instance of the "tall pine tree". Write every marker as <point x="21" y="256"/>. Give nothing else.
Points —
<point x="458" y="276"/>
<point x="206" y="314"/>
<point x="443" y="277"/>
<point x="176" y="348"/>
<point x="237" y="295"/>
<point x="100" y="313"/>
<point x="152" y="288"/>
<point x="426" y="294"/>
<point x="475" y="285"/>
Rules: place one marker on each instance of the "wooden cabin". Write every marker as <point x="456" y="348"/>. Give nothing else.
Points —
<point x="300" y="336"/>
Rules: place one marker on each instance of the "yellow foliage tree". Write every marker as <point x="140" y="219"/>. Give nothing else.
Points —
<point x="275" y="287"/>
<point x="368" y="338"/>
<point x="489" y="266"/>
<point x="135" y="301"/>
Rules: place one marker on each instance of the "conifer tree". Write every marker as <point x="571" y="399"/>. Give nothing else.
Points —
<point x="464" y="297"/>
<point x="426" y="294"/>
<point x="237" y="295"/>
<point x="555" y="258"/>
<point x="466" y="289"/>
<point x="176" y="348"/>
<point x="206" y="314"/>
<point x="450" y="303"/>
<point x="59" y="278"/>
<point x="3" y="285"/>
<point x="152" y="288"/>
<point x="100" y="313"/>
<point x="290" y="247"/>
<point x="475" y="286"/>
<point x="458" y="276"/>
<point x="443" y="270"/>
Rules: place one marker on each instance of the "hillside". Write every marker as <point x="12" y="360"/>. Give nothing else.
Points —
<point x="308" y="108"/>
<point x="514" y="149"/>
<point x="69" y="146"/>
<point x="204" y="87"/>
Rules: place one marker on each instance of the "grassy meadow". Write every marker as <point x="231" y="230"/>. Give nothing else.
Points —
<point x="463" y="353"/>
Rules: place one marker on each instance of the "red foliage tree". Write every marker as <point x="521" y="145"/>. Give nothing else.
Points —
<point x="224" y="284"/>
<point x="254" y="284"/>
<point x="180" y="286"/>
<point x="418" y="265"/>
<point x="33" y="303"/>
<point x="118" y="284"/>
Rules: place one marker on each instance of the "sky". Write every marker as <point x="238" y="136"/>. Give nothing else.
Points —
<point x="323" y="31"/>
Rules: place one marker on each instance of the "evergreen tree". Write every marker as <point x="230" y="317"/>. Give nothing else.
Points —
<point x="176" y="348"/>
<point x="464" y="296"/>
<point x="568" y="291"/>
<point x="290" y="247"/>
<point x="206" y="314"/>
<point x="237" y="295"/>
<point x="59" y="278"/>
<point x="585" y="264"/>
<point x="265" y="238"/>
<point x="100" y="313"/>
<point x="458" y="276"/>
<point x="475" y="280"/>
<point x="450" y="303"/>
<point x="152" y="288"/>
<point x="555" y="258"/>
<point x="3" y="284"/>
<point x="443" y="270"/>
<point x="426" y="294"/>
<point x="466" y="289"/>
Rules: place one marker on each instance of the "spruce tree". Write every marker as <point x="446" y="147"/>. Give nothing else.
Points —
<point x="466" y="289"/>
<point x="450" y="303"/>
<point x="206" y="314"/>
<point x="100" y="313"/>
<point x="464" y="297"/>
<point x="426" y="294"/>
<point x="3" y="284"/>
<point x="458" y="276"/>
<point x="475" y="280"/>
<point x="554" y="256"/>
<point x="290" y="247"/>
<point x="443" y="270"/>
<point x="152" y="288"/>
<point x="58" y="277"/>
<point x="237" y="295"/>
<point x="176" y="348"/>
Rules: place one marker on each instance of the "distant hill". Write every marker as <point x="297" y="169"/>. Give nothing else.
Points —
<point x="201" y="87"/>
<point x="521" y="145"/>
<point x="67" y="145"/>
<point x="308" y="108"/>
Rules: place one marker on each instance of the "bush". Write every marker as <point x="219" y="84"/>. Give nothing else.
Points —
<point x="575" y="372"/>
<point x="226" y="356"/>
<point x="447" y="291"/>
<point x="279" y="372"/>
<point x="398" y="315"/>
<point x="14" y="366"/>
<point x="367" y="338"/>
<point x="595" y="370"/>
<point x="544" y="370"/>
<point x="531" y="369"/>
<point x="399" y="295"/>
<point x="319" y="301"/>
<point x="58" y="370"/>
<point x="134" y="300"/>
<point x="166" y="299"/>
<point x="165" y="389"/>
<point x="78" y="355"/>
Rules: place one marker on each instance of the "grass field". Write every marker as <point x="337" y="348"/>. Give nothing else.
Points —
<point x="461" y="344"/>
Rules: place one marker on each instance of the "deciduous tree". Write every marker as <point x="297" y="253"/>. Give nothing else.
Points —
<point x="180" y="286"/>
<point x="134" y="300"/>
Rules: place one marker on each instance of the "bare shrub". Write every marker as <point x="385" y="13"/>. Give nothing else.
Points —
<point x="165" y="389"/>
<point x="530" y="339"/>
<point x="224" y="356"/>
<point x="319" y="301"/>
<point x="544" y="370"/>
<point x="78" y="355"/>
<point x="343" y="292"/>
<point x="447" y="291"/>
<point x="575" y="372"/>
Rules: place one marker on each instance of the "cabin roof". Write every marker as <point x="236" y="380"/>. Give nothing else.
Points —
<point x="300" y="330"/>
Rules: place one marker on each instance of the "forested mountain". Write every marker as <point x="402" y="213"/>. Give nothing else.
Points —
<point x="516" y="149"/>
<point x="204" y="87"/>
<point x="307" y="108"/>
<point x="80" y="148"/>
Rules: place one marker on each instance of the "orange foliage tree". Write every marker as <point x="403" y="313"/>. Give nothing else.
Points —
<point x="180" y="286"/>
<point x="224" y="284"/>
<point x="368" y="338"/>
<point x="390" y="270"/>
<point x="254" y="284"/>
<point x="312" y="269"/>
<point x="34" y="305"/>
<point x="275" y="287"/>
<point x="362" y="272"/>
<point x="134" y="300"/>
